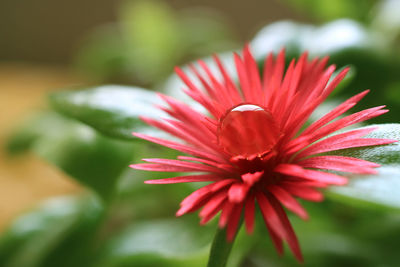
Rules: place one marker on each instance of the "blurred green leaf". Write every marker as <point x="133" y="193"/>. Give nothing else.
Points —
<point x="32" y="129"/>
<point x="334" y="9"/>
<point x="103" y="55"/>
<point x="93" y="159"/>
<point x="213" y="33"/>
<point x="387" y="19"/>
<point x="110" y="109"/>
<point x="149" y="39"/>
<point x="57" y="233"/>
<point x="164" y="243"/>
<point x="380" y="189"/>
<point x="152" y="33"/>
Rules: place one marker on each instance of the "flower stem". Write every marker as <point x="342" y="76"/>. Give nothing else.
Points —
<point x="220" y="250"/>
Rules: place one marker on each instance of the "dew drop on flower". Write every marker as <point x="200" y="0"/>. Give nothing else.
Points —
<point x="247" y="130"/>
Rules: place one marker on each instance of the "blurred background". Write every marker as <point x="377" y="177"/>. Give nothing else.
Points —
<point x="49" y="46"/>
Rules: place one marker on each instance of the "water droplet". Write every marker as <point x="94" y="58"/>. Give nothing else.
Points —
<point x="247" y="130"/>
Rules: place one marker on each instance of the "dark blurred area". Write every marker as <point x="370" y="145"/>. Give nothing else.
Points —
<point x="51" y="31"/>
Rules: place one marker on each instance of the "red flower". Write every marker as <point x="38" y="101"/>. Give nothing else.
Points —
<point x="252" y="147"/>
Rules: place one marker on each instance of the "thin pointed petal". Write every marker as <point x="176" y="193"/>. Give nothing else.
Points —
<point x="288" y="201"/>
<point x="233" y="222"/>
<point x="249" y="214"/>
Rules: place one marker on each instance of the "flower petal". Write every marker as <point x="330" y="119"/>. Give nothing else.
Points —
<point x="270" y="216"/>
<point x="340" y="163"/>
<point x="249" y="214"/>
<point x="233" y="222"/>
<point x="297" y="171"/>
<point x="237" y="192"/>
<point x="291" y="236"/>
<point x="304" y="192"/>
<point x="185" y="179"/>
<point x="288" y="201"/>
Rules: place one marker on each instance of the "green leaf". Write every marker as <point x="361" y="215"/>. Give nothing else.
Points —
<point x="110" y="109"/>
<point x="172" y="243"/>
<point x="57" y="233"/>
<point x="380" y="189"/>
<point x="94" y="160"/>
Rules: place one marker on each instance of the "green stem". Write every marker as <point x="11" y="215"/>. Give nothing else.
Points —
<point x="220" y="250"/>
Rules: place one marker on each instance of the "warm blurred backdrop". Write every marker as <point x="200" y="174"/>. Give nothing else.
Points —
<point x="48" y="31"/>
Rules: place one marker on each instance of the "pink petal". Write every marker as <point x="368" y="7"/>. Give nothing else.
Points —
<point x="199" y="193"/>
<point x="237" y="192"/>
<point x="251" y="178"/>
<point x="304" y="192"/>
<point x="291" y="236"/>
<point x="222" y="184"/>
<point x="302" y="182"/>
<point x="249" y="214"/>
<point x="226" y="167"/>
<point x="195" y="200"/>
<point x="184" y="165"/>
<point x="243" y="79"/>
<point x="339" y="163"/>
<point x="225" y="214"/>
<point x="347" y="121"/>
<point x="297" y="171"/>
<point x="276" y="240"/>
<point x="339" y="110"/>
<point x="267" y="75"/>
<point x="185" y="179"/>
<point x="343" y="140"/>
<point x="270" y="216"/>
<point x="213" y="205"/>
<point x="180" y="147"/>
<point x="159" y="168"/>
<point x="288" y="201"/>
<point x="233" y="222"/>
<point x="233" y="91"/>
<point x="256" y="93"/>
<point x="360" y="142"/>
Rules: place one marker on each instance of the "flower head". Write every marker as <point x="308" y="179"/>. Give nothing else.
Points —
<point x="251" y="147"/>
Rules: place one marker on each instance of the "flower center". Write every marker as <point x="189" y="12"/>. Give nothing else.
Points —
<point x="247" y="130"/>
